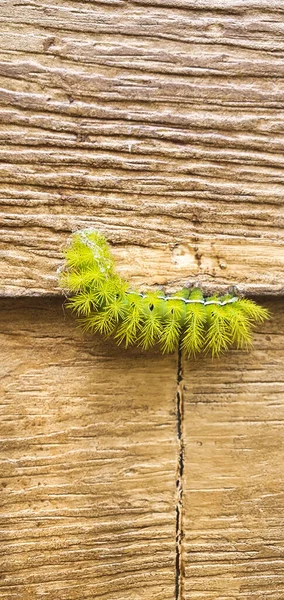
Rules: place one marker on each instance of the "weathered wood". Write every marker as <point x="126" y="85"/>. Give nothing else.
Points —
<point x="88" y="462"/>
<point x="160" y="123"/>
<point x="233" y="472"/>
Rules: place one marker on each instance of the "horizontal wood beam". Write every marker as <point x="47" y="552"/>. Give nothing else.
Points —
<point x="159" y="123"/>
<point x="156" y="256"/>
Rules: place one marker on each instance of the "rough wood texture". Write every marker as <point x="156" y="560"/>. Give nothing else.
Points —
<point x="88" y="463"/>
<point x="233" y="472"/>
<point x="159" y="122"/>
<point x="94" y="481"/>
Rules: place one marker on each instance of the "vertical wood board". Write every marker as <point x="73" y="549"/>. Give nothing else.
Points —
<point x="88" y="463"/>
<point x="233" y="546"/>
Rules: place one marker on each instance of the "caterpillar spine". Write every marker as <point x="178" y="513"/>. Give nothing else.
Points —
<point x="105" y="303"/>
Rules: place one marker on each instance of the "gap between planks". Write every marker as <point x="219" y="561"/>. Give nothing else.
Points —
<point x="179" y="567"/>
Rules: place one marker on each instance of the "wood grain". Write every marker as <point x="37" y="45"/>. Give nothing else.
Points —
<point x="233" y="498"/>
<point x="88" y="462"/>
<point x="158" y="122"/>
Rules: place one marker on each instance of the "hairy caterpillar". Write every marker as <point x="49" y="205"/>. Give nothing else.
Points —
<point x="105" y="303"/>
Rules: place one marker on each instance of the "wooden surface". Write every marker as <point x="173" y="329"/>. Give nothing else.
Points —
<point x="125" y="475"/>
<point x="233" y="472"/>
<point x="88" y="463"/>
<point x="158" y="122"/>
<point x="118" y="483"/>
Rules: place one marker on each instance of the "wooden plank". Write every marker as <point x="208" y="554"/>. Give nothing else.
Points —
<point x="88" y="462"/>
<point x="233" y="472"/>
<point x="159" y="123"/>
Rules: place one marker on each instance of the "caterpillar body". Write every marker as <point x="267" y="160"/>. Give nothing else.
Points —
<point x="107" y="304"/>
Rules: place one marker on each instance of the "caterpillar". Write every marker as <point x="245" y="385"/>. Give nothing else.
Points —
<point x="106" y="303"/>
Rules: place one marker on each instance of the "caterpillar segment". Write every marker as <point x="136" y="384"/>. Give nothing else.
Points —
<point x="107" y="304"/>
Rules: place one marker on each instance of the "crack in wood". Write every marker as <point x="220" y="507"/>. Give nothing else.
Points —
<point x="179" y="569"/>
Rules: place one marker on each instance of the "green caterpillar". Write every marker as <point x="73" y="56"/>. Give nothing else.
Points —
<point x="106" y="304"/>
